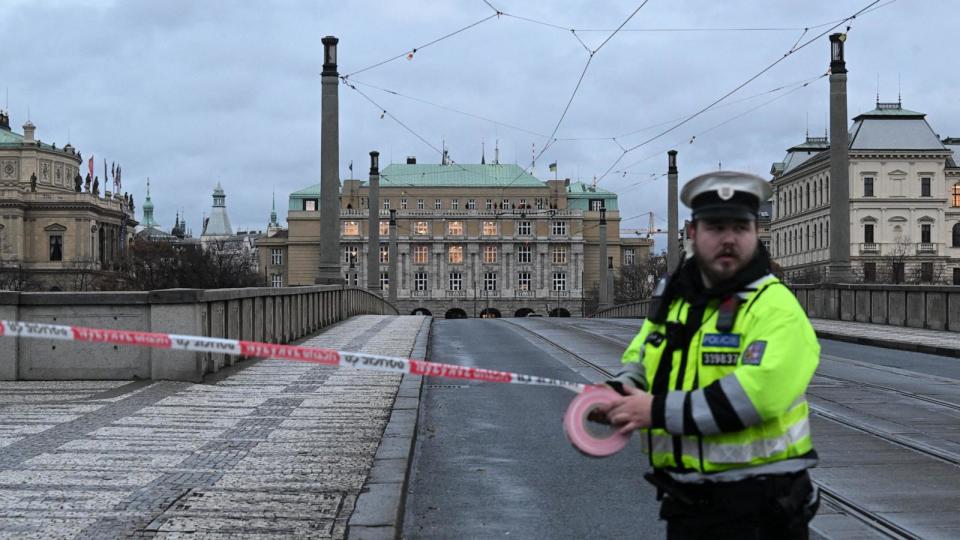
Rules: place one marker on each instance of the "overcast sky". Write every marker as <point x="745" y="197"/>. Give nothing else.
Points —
<point x="189" y="93"/>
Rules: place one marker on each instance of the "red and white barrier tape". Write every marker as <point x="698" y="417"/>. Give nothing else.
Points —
<point x="313" y="355"/>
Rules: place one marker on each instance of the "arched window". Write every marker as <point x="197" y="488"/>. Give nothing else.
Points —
<point x="956" y="235"/>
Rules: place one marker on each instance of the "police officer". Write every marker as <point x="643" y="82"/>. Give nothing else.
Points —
<point x="715" y="379"/>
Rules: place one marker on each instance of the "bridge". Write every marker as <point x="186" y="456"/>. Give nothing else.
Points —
<point x="99" y="440"/>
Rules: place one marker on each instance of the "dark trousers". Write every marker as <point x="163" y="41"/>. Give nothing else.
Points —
<point x="776" y="507"/>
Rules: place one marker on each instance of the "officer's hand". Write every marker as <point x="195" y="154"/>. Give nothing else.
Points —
<point x="631" y="412"/>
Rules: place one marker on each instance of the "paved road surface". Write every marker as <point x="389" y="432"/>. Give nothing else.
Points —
<point x="492" y="460"/>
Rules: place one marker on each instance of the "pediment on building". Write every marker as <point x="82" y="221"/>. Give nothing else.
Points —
<point x="868" y="219"/>
<point x="927" y="219"/>
<point x="55" y="227"/>
<point x="897" y="219"/>
<point x="897" y="172"/>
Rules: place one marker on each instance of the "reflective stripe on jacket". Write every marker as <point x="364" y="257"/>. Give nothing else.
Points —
<point x="728" y="405"/>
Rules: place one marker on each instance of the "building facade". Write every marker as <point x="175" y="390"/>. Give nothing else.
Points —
<point x="473" y="240"/>
<point x="57" y="232"/>
<point x="904" y="202"/>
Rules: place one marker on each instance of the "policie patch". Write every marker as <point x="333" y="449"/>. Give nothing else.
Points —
<point x="720" y="359"/>
<point x="754" y="353"/>
<point x="721" y="340"/>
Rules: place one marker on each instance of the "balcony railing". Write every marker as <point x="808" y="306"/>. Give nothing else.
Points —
<point x="869" y="247"/>
<point x="927" y="248"/>
<point x="456" y="293"/>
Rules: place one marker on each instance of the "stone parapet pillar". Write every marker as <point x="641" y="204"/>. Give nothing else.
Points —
<point x="373" y="225"/>
<point x="394" y="263"/>
<point x="673" y="214"/>
<point x="838" y="269"/>
<point x="329" y="268"/>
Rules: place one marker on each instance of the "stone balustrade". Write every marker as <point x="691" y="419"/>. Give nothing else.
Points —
<point x="274" y="315"/>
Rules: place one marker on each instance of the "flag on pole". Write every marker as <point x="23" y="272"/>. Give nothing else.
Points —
<point x="90" y="166"/>
<point x="119" y="179"/>
<point x="553" y="167"/>
<point x="351" y="168"/>
<point x="104" y="174"/>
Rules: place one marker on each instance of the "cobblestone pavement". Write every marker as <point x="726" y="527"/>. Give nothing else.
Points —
<point x="279" y="449"/>
<point x="937" y="341"/>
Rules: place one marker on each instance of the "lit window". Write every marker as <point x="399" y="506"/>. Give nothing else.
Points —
<point x="489" y="228"/>
<point x="455" y="228"/>
<point x="524" y="255"/>
<point x="420" y="255"/>
<point x="420" y="281"/>
<point x="420" y="228"/>
<point x="489" y="281"/>
<point x="277" y="280"/>
<point x="523" y="228"/>
<point x="384" y="254"/>
<point x="456" y="281"/>
<point x="384" y="228"/>
<point x="559" y="254"/>
<point x="559" y="281"/>
<point x="523" y="281"/>
<point x="350" y="253"/>
<point x="558" y="228"/>
<point x="351" y="228"/>
<point x="956" y="195"/>
<point x="276" y="256"/>
<point x="490" y="253"/>
<point x="419" y="204"/>
<point x="455" y="254"/>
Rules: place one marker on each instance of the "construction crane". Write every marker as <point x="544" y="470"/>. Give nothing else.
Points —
<point x="650" y="230"/>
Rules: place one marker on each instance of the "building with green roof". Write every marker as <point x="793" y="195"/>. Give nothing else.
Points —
<point x="486" y="239"/>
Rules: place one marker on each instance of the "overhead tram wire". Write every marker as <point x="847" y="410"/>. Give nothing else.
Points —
<point x="446" y="108"/>
<point x="740" y="86"/>
<point x="421" y="47"/>
<point x="626" y="168"/>
<point x="550" y="139"/>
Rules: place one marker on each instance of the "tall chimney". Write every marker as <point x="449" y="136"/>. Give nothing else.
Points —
<point x="373" y="224"/>
<point x="673" y="215"/>
<point x="838" y="269"/>
<point x="329" y="269"/>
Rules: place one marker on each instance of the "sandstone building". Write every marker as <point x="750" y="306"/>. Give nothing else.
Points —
<point x="904" y="202"/>
<point x="473" y="239"/>
<point x="56" y="231"/>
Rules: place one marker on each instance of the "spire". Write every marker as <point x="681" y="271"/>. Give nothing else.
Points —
<point x="483" y="153"/>
<point x="148" y="210"/>
<point x="273" y="212"/>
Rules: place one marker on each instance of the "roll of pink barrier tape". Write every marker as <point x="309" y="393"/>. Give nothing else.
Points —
<point x="592" y="438"/>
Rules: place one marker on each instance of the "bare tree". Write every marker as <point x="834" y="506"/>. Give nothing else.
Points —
<point x="160" y="265"/>
<point x="15" y="278"/>
<point x="637" y="281"/>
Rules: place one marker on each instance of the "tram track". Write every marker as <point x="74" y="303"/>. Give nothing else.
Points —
<point x="830" y="497"/>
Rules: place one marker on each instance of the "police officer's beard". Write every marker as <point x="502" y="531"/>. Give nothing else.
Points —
<point x="714" y="277"/>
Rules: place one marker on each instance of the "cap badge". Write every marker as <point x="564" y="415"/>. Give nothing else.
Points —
<point x="725" y="192"/>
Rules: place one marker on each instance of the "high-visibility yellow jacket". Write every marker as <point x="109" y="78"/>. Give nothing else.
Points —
<point x="728" y="405"/>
